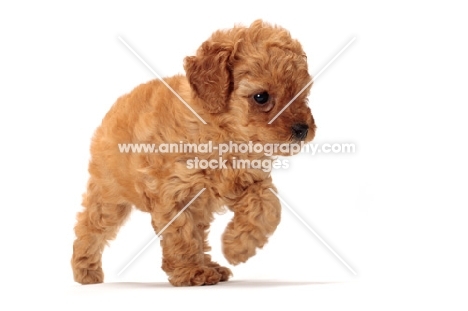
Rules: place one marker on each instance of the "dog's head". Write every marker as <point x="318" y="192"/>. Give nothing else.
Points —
<point x="253" y="74"/>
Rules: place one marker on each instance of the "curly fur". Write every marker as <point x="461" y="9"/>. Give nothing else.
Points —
<point x="220" y="81"/>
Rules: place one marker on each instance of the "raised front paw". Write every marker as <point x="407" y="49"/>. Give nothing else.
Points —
<point x="238" y="248"/>
<point x="195" y="276"/>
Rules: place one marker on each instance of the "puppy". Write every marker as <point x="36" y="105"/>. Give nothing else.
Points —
<point x="237" y="82"/>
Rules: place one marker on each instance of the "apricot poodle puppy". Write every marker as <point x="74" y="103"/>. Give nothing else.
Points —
<point x="237" y="82"/>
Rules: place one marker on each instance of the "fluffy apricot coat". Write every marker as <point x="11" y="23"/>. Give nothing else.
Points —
<point x="220" y="84"/>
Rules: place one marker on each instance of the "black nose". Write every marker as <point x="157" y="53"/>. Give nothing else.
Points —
<point x="299" y="130"/>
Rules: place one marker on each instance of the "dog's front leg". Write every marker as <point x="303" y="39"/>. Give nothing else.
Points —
<point x="183" y="245"/>
<point x="257" y="213"/>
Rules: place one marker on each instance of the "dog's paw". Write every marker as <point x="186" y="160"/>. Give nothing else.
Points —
<point x="195" y="276"/>
<point x="224" y="272"/>
<point x="238" y="249"/>
<point x="86" y="276"/>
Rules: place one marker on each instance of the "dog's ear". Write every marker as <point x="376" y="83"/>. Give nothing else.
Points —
<point x="209" y="74"/>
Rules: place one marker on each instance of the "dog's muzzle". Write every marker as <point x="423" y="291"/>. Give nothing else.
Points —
<point x="299" y="131"/>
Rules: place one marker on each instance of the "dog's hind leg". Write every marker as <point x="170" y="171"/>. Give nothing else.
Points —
<point x="97" y="224"/>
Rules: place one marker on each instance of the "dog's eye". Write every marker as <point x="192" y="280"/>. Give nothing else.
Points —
<point x="261" y="98"/>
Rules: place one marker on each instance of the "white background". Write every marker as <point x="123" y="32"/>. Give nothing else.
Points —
<point x="395" y="210"/>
